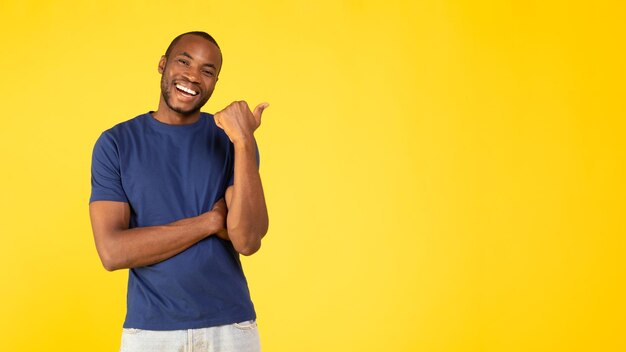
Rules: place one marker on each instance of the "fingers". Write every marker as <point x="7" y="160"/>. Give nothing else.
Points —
<point x="259" y="110"/>
<point x="239" y="108"/>
<point x="220" y="203"/>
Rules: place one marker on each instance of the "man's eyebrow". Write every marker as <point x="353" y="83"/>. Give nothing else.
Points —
<point x="184" y="53"/>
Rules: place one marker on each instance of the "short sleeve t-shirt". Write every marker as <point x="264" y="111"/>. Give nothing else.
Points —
<point x="167" y="173"/>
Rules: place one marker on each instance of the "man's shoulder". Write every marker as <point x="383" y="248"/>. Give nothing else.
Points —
<point x="130" y="123"/>
<point x="127" y="126"/>
<point x="120" y="133"/>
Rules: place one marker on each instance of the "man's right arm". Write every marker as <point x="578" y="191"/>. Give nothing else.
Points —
<point x="120" y="247"/>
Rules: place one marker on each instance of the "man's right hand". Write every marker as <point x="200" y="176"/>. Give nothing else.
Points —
<point x="221" y="210"/>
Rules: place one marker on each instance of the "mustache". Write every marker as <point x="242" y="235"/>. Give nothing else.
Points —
<point x="184" y="80"/>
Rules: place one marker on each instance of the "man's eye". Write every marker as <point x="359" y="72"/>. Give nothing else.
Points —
<point x="208" y="73"/>
<point x="184" y="62"/>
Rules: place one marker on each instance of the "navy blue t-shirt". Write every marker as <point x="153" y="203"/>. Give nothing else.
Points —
<point x="167" y="173"/>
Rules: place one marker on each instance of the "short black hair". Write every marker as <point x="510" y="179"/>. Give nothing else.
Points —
<point x="204" y="35"/>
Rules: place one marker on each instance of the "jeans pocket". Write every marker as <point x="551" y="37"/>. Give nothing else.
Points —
<point x="246" y="325"/>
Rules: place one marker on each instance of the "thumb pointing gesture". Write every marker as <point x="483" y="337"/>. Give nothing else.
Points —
<point x="258" y="111"/>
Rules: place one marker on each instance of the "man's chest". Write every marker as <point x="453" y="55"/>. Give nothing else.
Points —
<point x="185" y="173"/>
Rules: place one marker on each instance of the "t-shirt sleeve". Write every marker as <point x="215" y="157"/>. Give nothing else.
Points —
<point x="106" y="180"/>
<point x="232" y="171"/>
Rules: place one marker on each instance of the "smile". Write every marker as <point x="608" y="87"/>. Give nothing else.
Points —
<point x="186" y="90"/>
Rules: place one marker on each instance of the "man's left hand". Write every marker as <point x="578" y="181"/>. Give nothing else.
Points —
<point x="238" y="121"/>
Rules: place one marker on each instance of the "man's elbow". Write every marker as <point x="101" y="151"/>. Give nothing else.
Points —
<point x="248" y="250"/>
<point x="109" y="267"/>
<point x="109" y="263"/>
<point x="246" y="243"/>
<point x="247" y="247"/>
<point x="247" y="239"/>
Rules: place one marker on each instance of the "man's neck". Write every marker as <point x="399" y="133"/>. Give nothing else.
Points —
<point x="170" y="117"/>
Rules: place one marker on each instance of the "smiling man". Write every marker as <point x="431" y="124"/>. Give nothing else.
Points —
<point x="176" y="198"/>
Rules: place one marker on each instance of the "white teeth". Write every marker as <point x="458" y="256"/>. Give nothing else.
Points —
<point x="186" y="90"/>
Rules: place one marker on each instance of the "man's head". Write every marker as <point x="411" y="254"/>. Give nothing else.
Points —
<point x="204" y="35"/>
<point x="189" y="69"/>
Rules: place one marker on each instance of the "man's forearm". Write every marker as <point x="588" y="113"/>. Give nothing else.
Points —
<point x="247" y="219"/>
<point x="141" y="246"/>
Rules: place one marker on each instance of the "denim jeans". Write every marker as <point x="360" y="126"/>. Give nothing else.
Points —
<point x="239" y="337"/>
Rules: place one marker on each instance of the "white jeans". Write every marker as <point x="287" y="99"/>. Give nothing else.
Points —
<point x="239" y="337"/>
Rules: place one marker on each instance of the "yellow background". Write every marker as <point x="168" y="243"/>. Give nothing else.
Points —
<point x="440" y="175"/>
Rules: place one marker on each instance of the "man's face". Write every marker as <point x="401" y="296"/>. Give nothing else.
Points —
<point x="189" y="74"/>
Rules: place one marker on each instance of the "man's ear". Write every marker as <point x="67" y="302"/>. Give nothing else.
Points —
<point x="162" y="63"/>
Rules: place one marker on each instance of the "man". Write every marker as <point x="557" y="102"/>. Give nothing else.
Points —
<point x="176" y="197"/>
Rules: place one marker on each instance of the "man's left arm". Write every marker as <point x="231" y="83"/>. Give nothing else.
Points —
<point x="247" y="219"/>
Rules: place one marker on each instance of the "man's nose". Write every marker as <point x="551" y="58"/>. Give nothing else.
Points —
<point x="191" y="74"/>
